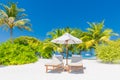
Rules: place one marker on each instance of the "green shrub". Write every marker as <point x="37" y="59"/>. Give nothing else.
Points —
<point x="22" y="51"/>
<point x="13" y="54"/>
<point x="31" y="42"/>
<point x="109" y="53"/>
<point x="43" y="49"/>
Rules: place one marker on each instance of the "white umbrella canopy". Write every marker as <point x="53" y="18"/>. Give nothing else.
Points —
<point x="67" y="39"/>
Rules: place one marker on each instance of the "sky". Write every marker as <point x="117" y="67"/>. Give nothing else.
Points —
<point x="46" y="15"/>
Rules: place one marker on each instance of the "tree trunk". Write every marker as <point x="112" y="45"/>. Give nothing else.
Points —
<point x="11" y="35"/>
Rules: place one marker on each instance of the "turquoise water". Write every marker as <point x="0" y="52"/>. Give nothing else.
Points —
<point x="85" y="54"/>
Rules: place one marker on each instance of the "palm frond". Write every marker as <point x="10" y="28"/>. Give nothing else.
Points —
<point x="21" y="16"/>
<point x="3" y="14"/>
<point x="1" y="21"/>
<point x="107" y="32"/>
<point x="26" y="28"/>
<point x="20" y="9"/>
<point x="21" y="22"/>
<point x="7" y="9"/>
<point x="13" y="10"/>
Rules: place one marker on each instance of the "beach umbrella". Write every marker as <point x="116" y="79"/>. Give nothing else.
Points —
<point x="67" y="39"/>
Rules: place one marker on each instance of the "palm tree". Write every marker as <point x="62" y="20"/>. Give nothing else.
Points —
<point x="55" y="33"/>
<point x="11" y="16"/>
<point x="96" y="34"/>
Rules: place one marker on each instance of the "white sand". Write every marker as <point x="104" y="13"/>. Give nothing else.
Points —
<point x="36" y="71"/>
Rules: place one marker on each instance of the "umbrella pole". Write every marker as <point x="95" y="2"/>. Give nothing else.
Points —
<point x="66" y="53"/>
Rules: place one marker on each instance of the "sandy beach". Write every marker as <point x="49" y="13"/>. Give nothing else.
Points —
<point x="93" y="70"/>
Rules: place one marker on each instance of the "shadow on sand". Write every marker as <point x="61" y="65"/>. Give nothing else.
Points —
<point x="1" y="66"/>
<point x="79" y="71"/>
<point x="55" y="71"/>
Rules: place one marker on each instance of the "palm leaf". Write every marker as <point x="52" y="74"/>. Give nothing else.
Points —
<point x="21" y="22"/>
<point x="7" y="9"/>
<point x="3" y="14"/>
<point x="21" y="16"/>
<point x="1" y="21"/>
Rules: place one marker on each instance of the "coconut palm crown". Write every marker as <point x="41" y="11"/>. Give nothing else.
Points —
<point x="97" y="34"/>
<point x="11" y="16"/>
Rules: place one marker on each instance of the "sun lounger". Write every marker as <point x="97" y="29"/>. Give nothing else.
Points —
<point x="76" y="63"/>
<point x="55" y="64"/>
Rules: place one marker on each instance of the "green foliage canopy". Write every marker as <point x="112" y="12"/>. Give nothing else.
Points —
<point x="96" y="34"/>
<point x="109" y="53"/>
<point x="23" y="51"/>
<point x="14" y="54"/>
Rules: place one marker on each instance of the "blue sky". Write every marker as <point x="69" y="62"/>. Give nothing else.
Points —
<point x="46" y="15"/>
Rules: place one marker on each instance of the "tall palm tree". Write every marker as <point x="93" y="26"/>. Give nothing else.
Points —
<point x="11" y="16"/>
<point x="96" y="34"/>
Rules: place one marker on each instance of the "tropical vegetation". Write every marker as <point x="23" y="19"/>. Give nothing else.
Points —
<point x="109" y="53"/>
<point x="11" y="16"/>
<point x="23" y="51"/>
<point x="28" y="49"/>
<point x="95" y="35"/>
<point x="58" y="32"/>
<point x="31" y="42"/>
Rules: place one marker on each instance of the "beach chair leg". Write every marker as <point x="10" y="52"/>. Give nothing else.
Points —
<point x="69" y="70"/>
<point x="60" y="68"/>
<point x="46" y="69"/>
<point x="82" y="69"/>
<point x="53" y="67"/>
<point x="63" y="67"/>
